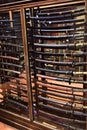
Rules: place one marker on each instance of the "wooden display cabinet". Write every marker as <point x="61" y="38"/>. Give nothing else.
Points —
<point x="43" y="64"/>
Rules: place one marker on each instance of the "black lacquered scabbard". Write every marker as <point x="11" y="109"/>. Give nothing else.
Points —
<point x="63" y="95"/>
<point x="10" y="57"/>
<point x="7" y="37"/>
<point x="61" y="46"/>
<point x="70" y="72"/>
<point x="61" y="87"/>
<point x="68" y="26"/>
<point x="20" y="85"/>
<point x="55" y="118"/>
<point x="13" y="101"/>
<point x="74" y="54"/>
<point x="11" y="52"/>
<point x="49" y="22"/>
<point x="11" y="44"/>
<point x="11" y="64"/>
<point x="61" y="13"/>
<point x="59" y="120"/>
<point x="6" y="20"/>
<point x="72" y="105"/>
<point x="10" y="70"/>
<point x="72" y="64"/>
<point x="62" y="30"/>
<point x="59" y="37"/>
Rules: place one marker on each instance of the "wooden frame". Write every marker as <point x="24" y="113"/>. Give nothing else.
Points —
<point x="9" y="117"/>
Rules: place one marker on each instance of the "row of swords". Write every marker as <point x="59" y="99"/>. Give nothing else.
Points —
<point x="55" y="34"/>
<point x="14" y="96"/>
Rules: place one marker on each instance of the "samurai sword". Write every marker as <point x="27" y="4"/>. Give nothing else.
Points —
<point x="63" y="95"/>
<point x="11" y="44"/>
<point x="12" y="76"/>
<point x="74" y="54"/>
<point x="68" y="26"/>
<point x="11" y="71"/>
<point x="61" y="46"/>
<point x="60" y="121"/>
<point x="11" y="64"/>
<point x="69" y="80"/>
<point x="13" y="101"/>
<point x="9" y="29"/>
<point x="22" y="90"/>
<point x="52" y="78"/>
<point x="11" y="52"/>
<point x="72" y="64"/>
<point x="56" y="117"/>
<point x="50" y="22"/>
<point x="62" y="30"/>
<point x="77" y="113"/>
<point x="59" y="37"/>
<point x="7" y="37"/>
<point x="6" y="20"/>
<point x="64" y="104"/>
<point x="10" y="57"/>
<point x="55" y="17"/>
<point x="20" y="85"/>
<point x="49" y="15"/>
<point x="61" y="110"/>
<point x="15" y="97"/>
<point x="70" y="72"/>
<point x="62" y="12"/>
<point x="61" y="88"/>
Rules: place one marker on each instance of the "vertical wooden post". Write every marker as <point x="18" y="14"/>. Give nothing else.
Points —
<point x="10" y="16"/>
<point x="85" y="59"/>
<point x="29" y="87"/>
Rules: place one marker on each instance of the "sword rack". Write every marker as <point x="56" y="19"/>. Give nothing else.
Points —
<point x="43" y="65"/>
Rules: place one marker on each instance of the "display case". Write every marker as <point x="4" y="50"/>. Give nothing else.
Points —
<point x="43" y="64"/>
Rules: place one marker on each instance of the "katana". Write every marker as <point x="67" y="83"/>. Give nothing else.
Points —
<point x="15" y="96"/>
<point x="51" y="21"/>
<point x="11" y="44"/>
<point x="56" y="117"/>
<point x="72" y="64"/>
<point x="63" y="89"/>
<point x="5" y="30"/>
<point x="68" y="26"/>
<point x="77" y="113"/>
<point x="13" y="101"/>
<point x="59" y="37"/>
<point x="6" y="21"/>
<point x="69" y="72"/>
<point x="14" y="89"/>
<point x="72" y="97"/>
<point x="73" y="54"/>
<point x="55" y="101"/>
<point x="11" y="64"/>
<point x="12" y="77"/>
<point x="20" y="85"/>
<point x="69" y="80"/>
<point x="61" y="46"/>
<point x="58" y="121"/>
<point x="56" y="17"/>
<point x="62" y="30"/>
<point x="11" y="106"/>
<point x="10" y="57"/>
<point x="11" y="52"/>
<point x="10" y="71"/>
<point x="7" y="37"/>
<point x="61" y="13"/>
